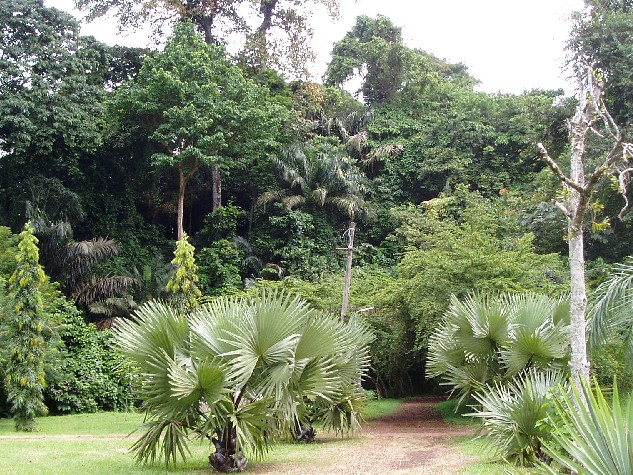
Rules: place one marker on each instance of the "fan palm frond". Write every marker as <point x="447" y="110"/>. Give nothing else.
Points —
<point x="241" y="371"/>
<point x="513" y="414"/>
<point x="483" y="339"/>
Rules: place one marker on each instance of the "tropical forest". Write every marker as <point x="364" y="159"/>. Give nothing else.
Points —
<point x="211" y="261"/>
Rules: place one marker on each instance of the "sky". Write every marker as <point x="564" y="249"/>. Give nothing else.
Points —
<point x="509" y="45"/>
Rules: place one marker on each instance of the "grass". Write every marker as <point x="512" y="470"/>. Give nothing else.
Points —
<point x="98" y="444"/>
<point x="380" y="407"/>
<point x="453" y="414"/>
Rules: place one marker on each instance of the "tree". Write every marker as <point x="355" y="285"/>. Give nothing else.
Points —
<point x="242" y="372"/>
<point x="24" y="375"/>
<point x="318" y="173"/>
<point x="182" y="284"/>
<point x="272" y="30"/>
<point x="591" y="117"/>
<point x="199" y="109"/>
<point x="50" y="86"/>
<point x="218" y="19"/>
<point x="601" y="36"/>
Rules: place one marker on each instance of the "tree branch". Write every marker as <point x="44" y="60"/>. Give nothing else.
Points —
<point x="557" y="171"/>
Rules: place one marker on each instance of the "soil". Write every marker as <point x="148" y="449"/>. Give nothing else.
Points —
<point x="415" y="440"/>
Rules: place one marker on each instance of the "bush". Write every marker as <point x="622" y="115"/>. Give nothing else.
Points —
<point x="92" y="375"/>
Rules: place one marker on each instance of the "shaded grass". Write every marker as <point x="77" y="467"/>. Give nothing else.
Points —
<point x="450" y="412"/>
<point x="380" y="407"/>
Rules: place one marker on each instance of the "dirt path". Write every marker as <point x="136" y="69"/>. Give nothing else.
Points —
<point x="413" y="441"/>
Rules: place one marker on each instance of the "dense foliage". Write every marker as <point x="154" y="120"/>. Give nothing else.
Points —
<point x="452" y="204"/>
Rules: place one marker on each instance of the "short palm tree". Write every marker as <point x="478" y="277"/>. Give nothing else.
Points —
<point x="591" y="435"/>
<point x="242" y="372"/>
<point x="514" y="414"/>
<point x="483" y="339"/>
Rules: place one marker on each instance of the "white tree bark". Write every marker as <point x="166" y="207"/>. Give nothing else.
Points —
<point x="590" y="114"/>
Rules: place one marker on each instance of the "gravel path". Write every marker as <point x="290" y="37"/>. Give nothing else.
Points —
<point x="413" y="441"/>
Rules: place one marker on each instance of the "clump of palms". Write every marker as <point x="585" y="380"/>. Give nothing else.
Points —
<point x="73" y="263"/>
<point x="242" y="372"/>
<point x="514" y="414"/>
<point x="484" y="339"/>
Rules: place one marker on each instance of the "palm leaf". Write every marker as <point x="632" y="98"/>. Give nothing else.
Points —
<point x="592" y="439"/>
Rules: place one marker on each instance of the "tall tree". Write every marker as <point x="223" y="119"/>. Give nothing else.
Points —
<point x="51" y="89"/>
<point x="601" y="36"/>
<point x="24" y="375"/>
<point x="591" y="116"/>
<point x="216" y="19"/>
<point x="49" y="94"/>
<point x="199" y="109"/>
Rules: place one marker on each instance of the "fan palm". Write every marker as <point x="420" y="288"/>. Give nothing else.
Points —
<point x="241" y="371"/>
<point x="483" y="339"/>
<point x="514" y="413"/>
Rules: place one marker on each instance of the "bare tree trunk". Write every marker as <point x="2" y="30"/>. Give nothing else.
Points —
<point x="216" y="188"/>
<point x="577" y="206"/>
<point x="348" y="269"/>
<point x="591" y="115"/>
<point x="182" y="183"/>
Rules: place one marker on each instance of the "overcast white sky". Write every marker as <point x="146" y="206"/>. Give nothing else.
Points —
<point x="509" y="45"/>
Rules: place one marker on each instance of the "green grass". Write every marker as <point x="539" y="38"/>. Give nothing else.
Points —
<point x="451" y="413"/>
<point x="98" y="444"/>
<point x="488" y="464"/>
<point x="380" y="407"/>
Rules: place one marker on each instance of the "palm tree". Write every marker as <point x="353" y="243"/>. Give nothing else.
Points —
<point x="318" y="173"/>
<point x="484" y="339"/>
<point x="241" y="372"/>
<point x="611" y="307"/>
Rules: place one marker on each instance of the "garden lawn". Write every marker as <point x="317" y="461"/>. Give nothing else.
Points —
<point x="98" y="444"/>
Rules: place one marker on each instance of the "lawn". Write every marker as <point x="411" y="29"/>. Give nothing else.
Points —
<point x="97" y="444"/>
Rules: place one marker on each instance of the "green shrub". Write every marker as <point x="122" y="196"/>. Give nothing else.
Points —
<point x="92" y="375"/>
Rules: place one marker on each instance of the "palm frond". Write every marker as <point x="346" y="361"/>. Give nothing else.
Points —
<point x="594" y="439"/>
<point x="611" y="305"/>
<point x="513" y="414"/>
<point x="98" y="289"/>
<point x="81" y="256"/>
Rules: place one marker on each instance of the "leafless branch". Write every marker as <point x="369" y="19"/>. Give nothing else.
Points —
<point x="556" y="169"/>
